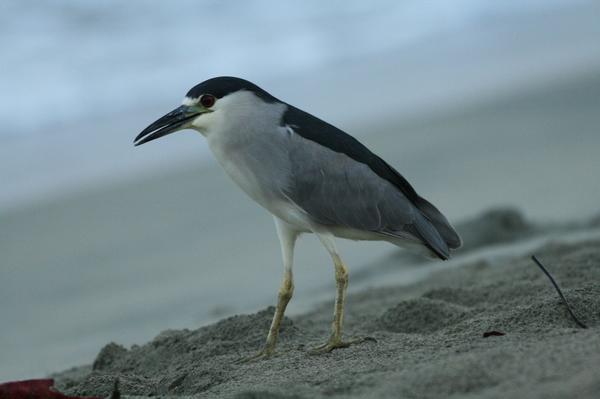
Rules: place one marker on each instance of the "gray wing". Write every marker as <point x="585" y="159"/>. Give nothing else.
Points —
<point x="335" y="190"/>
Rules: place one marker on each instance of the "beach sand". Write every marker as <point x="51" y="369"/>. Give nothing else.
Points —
<point x="428" y="341"/>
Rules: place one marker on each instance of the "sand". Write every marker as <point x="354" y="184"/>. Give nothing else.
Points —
<point x="427" y="340"/>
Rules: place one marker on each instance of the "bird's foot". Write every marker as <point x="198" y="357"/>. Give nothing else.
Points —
<point x="266" y="353"/>
<point x="263" y="354"/>
<point x="337" y="343"/>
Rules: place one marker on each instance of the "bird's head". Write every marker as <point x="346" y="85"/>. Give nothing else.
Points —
<point x="206" y="105"/>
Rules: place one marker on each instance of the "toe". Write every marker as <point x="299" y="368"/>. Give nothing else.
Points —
<point x="263" y="354"/>
<point x="338" y="344"/>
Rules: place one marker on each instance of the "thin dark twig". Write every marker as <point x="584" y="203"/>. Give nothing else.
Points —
<point x="537" y="262"/>
<point x="116" y="394"/>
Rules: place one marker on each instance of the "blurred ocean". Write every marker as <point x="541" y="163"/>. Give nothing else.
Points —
<point x="80" y="79"/>
<point x="477" y="103"/>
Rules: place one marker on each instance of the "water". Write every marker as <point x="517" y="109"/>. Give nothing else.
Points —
<point x="79" y="79"/>
<point x="66" y="61"/>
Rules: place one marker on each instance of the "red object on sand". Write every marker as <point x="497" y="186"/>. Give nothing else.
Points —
<point x="33" y="389"/>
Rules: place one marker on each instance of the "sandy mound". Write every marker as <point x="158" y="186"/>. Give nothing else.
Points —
<point x="421" y="315"/>
<point x="429" y="342"/>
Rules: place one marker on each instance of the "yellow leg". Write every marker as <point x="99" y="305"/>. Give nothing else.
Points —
<point x="285" y="294"/>
<point x="287" y="238"/>
<point x="341" y="285"/>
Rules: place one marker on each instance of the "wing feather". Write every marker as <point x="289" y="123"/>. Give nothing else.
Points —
<point x="335" y="190"/>
<point x="328" y="136"/>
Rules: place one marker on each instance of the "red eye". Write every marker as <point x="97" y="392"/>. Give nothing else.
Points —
<point x="207" y="100"/>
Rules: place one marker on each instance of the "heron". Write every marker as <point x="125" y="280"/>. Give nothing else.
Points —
<point x="312" y="177"/>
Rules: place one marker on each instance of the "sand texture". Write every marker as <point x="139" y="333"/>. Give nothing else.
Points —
<point x="429" y="341"/>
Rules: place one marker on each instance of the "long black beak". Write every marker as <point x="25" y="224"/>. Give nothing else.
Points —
<point x="170" y="123"/>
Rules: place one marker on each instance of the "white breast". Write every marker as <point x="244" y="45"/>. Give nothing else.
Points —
<point x="240" y="169"/>
<point x="262" y="175"/>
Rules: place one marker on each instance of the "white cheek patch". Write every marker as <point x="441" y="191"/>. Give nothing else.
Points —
<point x="188" y="101"/>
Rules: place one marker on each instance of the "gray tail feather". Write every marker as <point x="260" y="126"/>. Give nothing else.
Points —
<point x="441" y="224"/>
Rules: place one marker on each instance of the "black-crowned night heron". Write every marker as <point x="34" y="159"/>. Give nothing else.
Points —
<point x="311" y="176"/>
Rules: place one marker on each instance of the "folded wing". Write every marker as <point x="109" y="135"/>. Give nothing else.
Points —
<point x="337" y="181"/>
